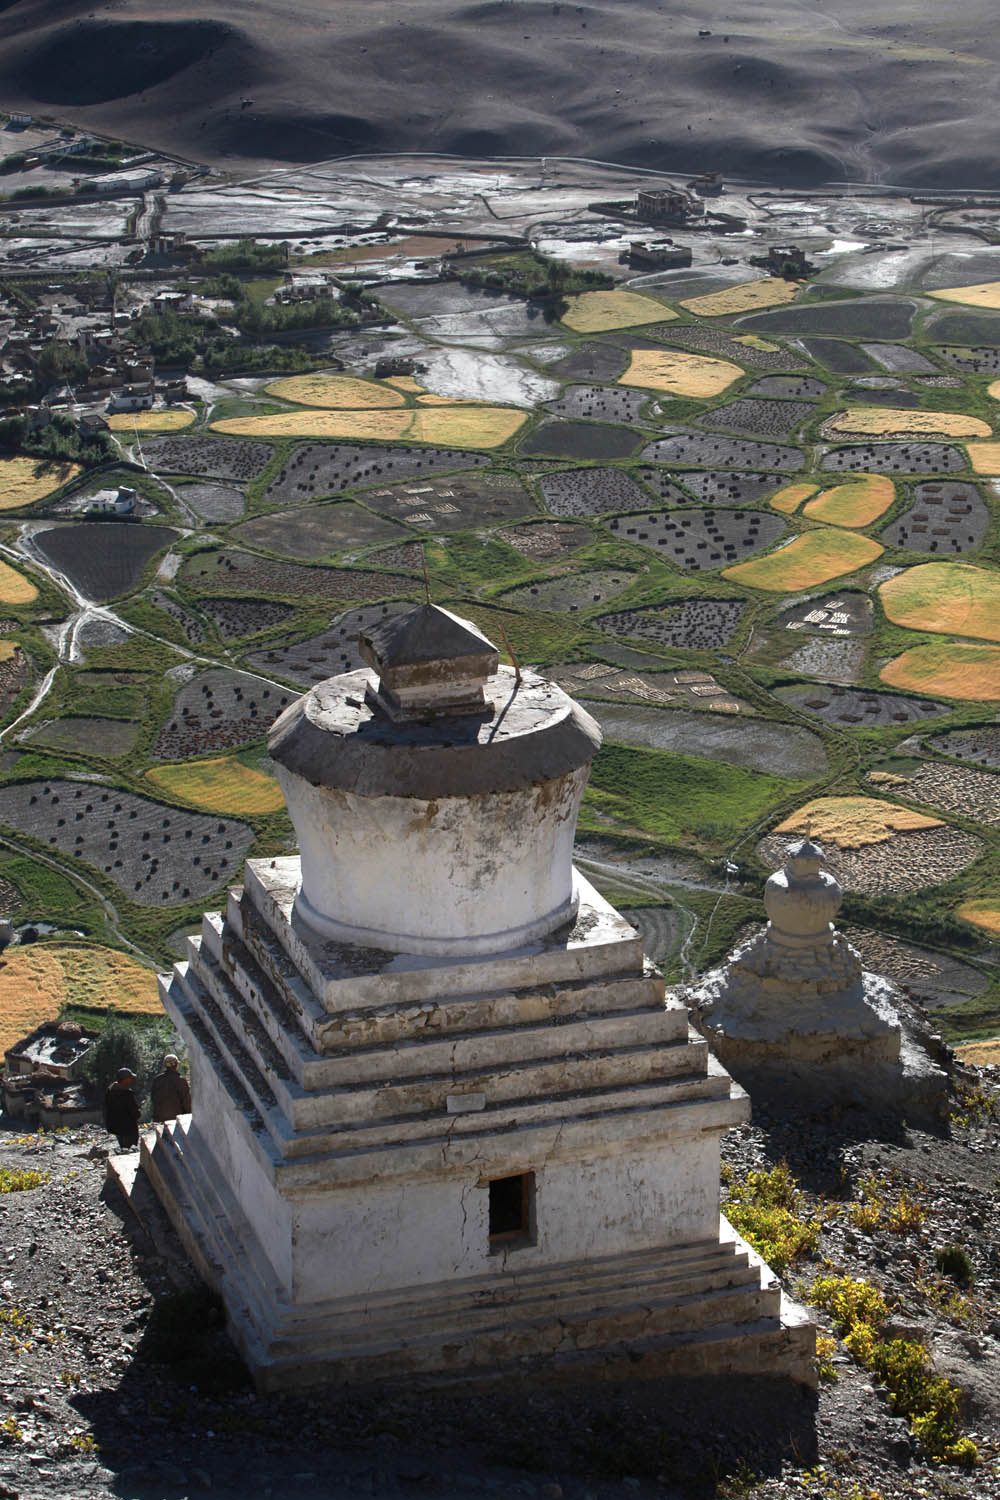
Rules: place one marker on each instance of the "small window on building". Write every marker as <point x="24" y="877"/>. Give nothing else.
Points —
<point x="512" y="1211"/>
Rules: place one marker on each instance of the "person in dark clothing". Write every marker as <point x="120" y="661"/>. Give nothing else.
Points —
<point x="121" y="1110"/>
<point x="170" y="1091"/>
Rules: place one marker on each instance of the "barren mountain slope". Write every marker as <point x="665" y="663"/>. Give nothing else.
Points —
<point x="895" y="92"/>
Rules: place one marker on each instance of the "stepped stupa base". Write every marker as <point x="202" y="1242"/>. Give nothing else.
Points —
<point x="344" y="1093"/>
<point x="707" y="1307"/>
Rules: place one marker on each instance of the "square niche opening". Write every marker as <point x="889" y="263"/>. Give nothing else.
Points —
<point x="512" y="1211"/>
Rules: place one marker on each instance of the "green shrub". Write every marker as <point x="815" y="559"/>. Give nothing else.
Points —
<point x="14" y="1181"/>
<point x="128" y="1044"/>
<point x="763" y="1209"/>
<point x="954" y="1261"/>
<point x="930" y="1404"/>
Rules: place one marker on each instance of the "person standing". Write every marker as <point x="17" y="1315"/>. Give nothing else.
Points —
<point x="170" y="1091"/>
<point x="121" y="1110"/>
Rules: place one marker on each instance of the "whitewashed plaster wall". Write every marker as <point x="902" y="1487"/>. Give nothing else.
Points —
<point x="471" y="880"/>
<point x="360" y="1242"/>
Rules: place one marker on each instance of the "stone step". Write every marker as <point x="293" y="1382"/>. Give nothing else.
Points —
<point x="663" y="1272"/>
<point x="422" y="1141"/>
<point x="272" y="1098"/>
<point x="498" y="1143"/>
<point x="440" y="1126"/>
<point x="429" y="1053"/>
<point x="216" y="1235"/>
<point x="587" y="1314"/>
<point x="278" y="1018"/>
<point x="184" y="1001"/>
<point x="245" y="939"/>
<point x="344" y="978"/>
<point x="631" y="1050"/>
<point x="365" y="1105"/>
<point x="474" y="1340"/>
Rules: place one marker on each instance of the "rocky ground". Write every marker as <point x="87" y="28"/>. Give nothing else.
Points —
<point x="117" y="1380"/>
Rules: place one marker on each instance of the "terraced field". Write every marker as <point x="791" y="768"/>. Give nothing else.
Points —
<point x="810" y="559"/>
<point x="753" y="523"/>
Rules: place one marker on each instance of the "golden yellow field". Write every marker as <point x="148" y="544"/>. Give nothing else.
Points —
<point x="859" y="502"/>
<point x="950" y="669"/>
<point x="984" y="457"/>
<point x="405" y="383"/>
<point x="7" y="649"/>
<point x="25" y="480"/>
<point x="345" y="392"/>
<point x="459" y="426"/>
<point x="14" y="587"/>
<point x="954" y="598"/>
<point x="854" y="822"/>
<point x="980" y="1054"/>
<point x="878" y="421"/>
<point x="748" y="296"/>
<point x="810" y="559"/>
<point x="466" y="426"/>
<point x="791" y="497"/>
<point x="374" y="425"/>
<point x="222" y="785"/>
<point x="984" y="294"/>
<point x="598" y="312"/>
<point x="39" y="978"/>
<point x="150" y="421"/>
<point x="984" y="914"/>
<point x="681" y="374"/>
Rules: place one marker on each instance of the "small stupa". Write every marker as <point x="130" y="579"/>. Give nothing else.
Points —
<point x="445" y="1122"/>
<point x="793" y="1006"/>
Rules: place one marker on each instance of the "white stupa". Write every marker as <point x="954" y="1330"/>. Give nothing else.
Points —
<point x="445" y="1121"/>
<point x="794" y="1008"/>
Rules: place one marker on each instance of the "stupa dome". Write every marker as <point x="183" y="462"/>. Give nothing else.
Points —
<point x="435" y="803"/>
<point x="802" y="899"/>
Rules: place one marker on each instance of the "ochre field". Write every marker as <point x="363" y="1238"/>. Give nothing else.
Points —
<point x="984" y="914"/>
<point x="25" y="480"/>
<point x="222" y="785"/>
<point x="35" y="980"/>
<point x="980" y="1054"/>
<point x="984" y="457"/>
<point x="345" y="392"/>
<point x="681" y="374"/>
<point x="859" y="502"/>
<point x="854" y="822"/>
<point x="949" y="669"/>
<point x="789" y="499"/>
<point x="954" y="598"/>
<point x="14" y="587"/>
<point x="748" y="296"/>
<point x="458" y="426"/>
<point x="984" y="294"/>
<point x="599" y="312"/>
<point x="810" y="559"/>
<point x="878" y="421"/>
<point x="150" y="421"/>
